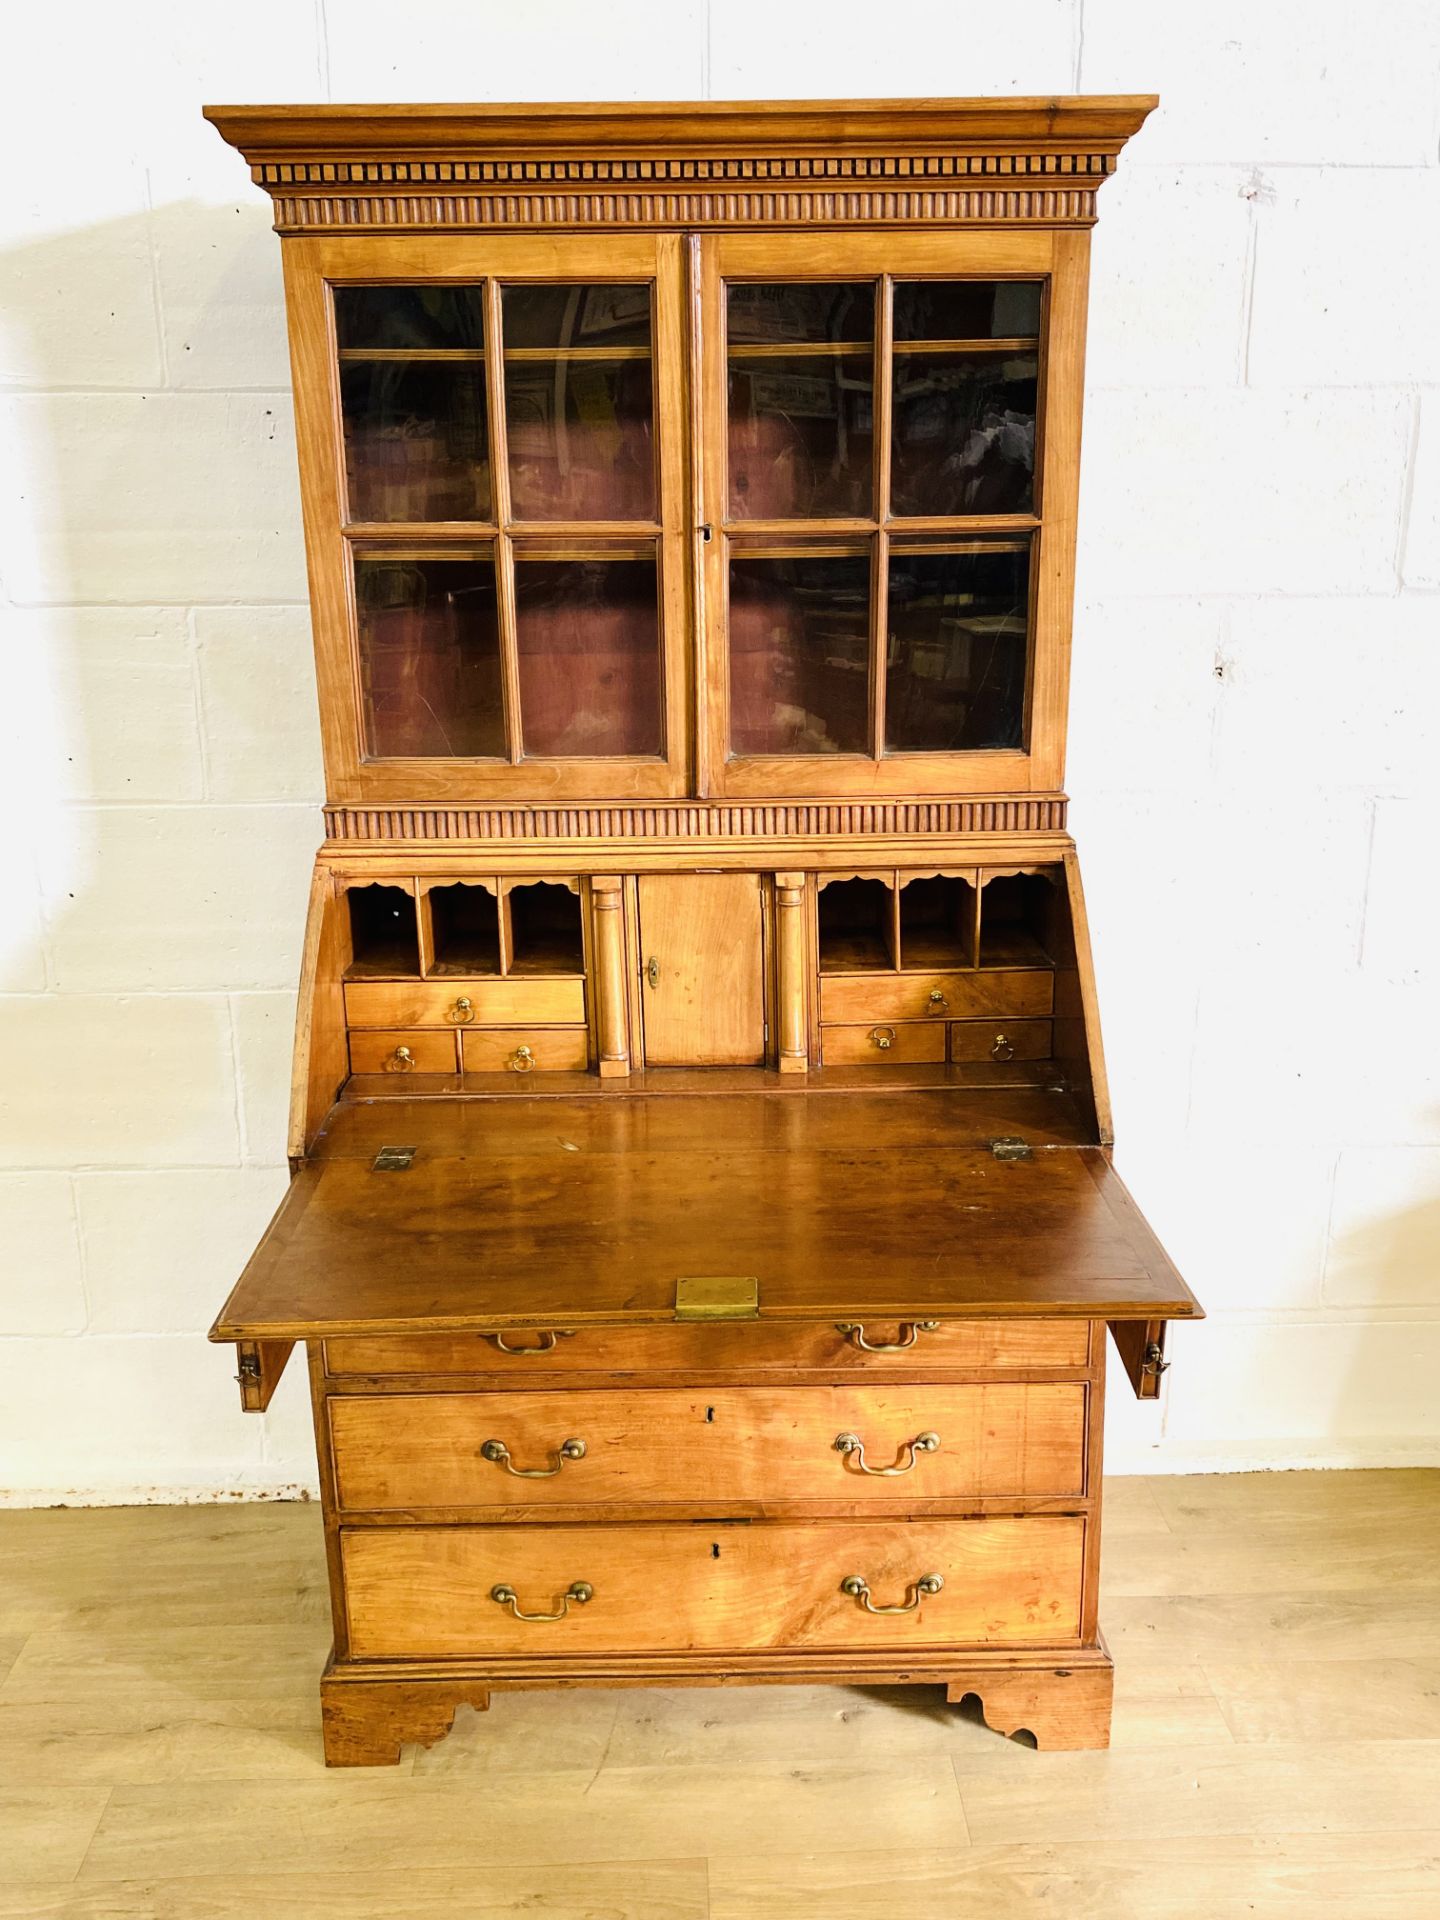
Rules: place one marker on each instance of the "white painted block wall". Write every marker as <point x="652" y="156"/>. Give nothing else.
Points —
<point x="1256" y="707"/>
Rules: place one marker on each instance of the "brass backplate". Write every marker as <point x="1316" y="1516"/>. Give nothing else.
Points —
<point x="717" y="1296"/>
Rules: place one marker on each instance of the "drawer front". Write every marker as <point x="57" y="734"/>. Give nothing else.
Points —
<point x="883" y="1045"/>
<point x="936" y="996"/>
<point x="981" y="1345"/>
<point x="707" y="1448"/>
<point x="526" y="1050"/>
<point x="996" y="1040"/>
<point x="423" y="1051"/>
<point x="428" y="1591"/>
<point x="495" y="1003"/>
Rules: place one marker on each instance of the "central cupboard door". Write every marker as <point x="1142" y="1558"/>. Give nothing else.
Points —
<point x="492" y="451"/>
<point x="888" y="496"/>
<point x="702" y="969"/>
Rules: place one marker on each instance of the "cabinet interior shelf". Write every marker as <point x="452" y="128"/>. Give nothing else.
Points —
<point x="855" y="349"/>
<point x="940" y="922"/>
<point x="407" y="354"/>
<point x="957" y="524"/>
<point x="466" y="930"/>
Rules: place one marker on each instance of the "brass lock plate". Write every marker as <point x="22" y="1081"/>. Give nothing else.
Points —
<point x="717" y="1296"/>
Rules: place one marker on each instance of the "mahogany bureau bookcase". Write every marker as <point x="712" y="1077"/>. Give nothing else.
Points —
<point x="703" y="1229"/>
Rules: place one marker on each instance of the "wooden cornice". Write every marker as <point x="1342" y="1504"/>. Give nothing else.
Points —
<point x="709" y="164"/>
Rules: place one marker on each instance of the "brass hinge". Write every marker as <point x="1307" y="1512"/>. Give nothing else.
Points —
<point x="393" y="1159"/>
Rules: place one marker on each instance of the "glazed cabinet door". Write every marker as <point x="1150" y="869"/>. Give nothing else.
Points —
<point x="889" y="426"/>
<point x="492" y="470"/>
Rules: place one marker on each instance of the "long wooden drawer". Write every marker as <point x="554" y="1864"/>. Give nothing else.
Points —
<point x="712" y="1448"/>
<point x="996" y="1040"/>
<point x="495" y="1003"/>
<point x="936" y="996"/>
<point x="526" y="1049"/>
<point x="415" y="1050"/>
<point x="543" y="1352"/>
<point x="430" y="1591"/>
<point x="883" y="1045"/>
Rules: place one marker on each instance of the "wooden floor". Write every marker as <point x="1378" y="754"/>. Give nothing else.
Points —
<point x="1277" y="1745"/>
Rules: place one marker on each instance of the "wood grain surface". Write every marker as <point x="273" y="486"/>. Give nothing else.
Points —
<point x="159" y="1725"/>
<point x="427" y="1591"/>
<point x="707" y="1448"/>
<point x="572" y="1213"/>
<point x="746" y="1348"/>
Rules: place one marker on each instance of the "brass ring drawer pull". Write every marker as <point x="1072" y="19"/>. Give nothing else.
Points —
<point x="401" y="1061"/>
<point x="856" y="1335"/>
<point x="937" y="1002"/>
<point x="852" y="1446"/>
<point x="579" y="1591"/>
<point x="1003" y="1049"/>
<point x="521" y="1060"/>
<point x="882" y="1037"/>
<point x="498" y="1454"/>
<point x="462" y="1012"/>
<point x="858" y="1589"/>
<point x="548" y="1341"/>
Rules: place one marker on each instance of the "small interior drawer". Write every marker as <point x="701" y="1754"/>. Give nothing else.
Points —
<point x="409" y="1051"/>
<point x="525" y="1050"/>
<point x="1001" y="1040"/>
<point x="465" y="1003"/>
<point x="936" y="996"/>
<point x="885" y="1044"/>
<point x="432" y="1591"/>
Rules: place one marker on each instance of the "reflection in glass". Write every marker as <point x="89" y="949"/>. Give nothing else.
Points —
<point x="769" y="314"/>
<point x="577" y="314"/>
<point x="580" y="439"/>
<point x="412" y="397"/>
<point x="429" y="654"/>
<point x="415" y="440"/>
<point x="588" y="635"/>
<point x="800" y="437"/>
<point x="967" y="309"/>
<point x="963" y="439"/>
<point x="799" y="653"/>
<point x="410" y="318"/>
<point x="958" y="641"/>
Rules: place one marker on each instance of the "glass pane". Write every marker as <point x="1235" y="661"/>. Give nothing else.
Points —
<point x="588" y="633"/>
<point x="963" y="438"/>
<point x="415" y="440"/>
<point x="416" y="318"/>
<point x="800" y="437"/>
<point x="429" y="654"/>
<point x="958" y="640"/>
<point x="412" y="396"/>
<point x="800" y="654"/>
<point x="575" y="315"/>
<point x="581" y="445"/>
<point x="967" y="310"/>
<point x="781" y="315"/>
